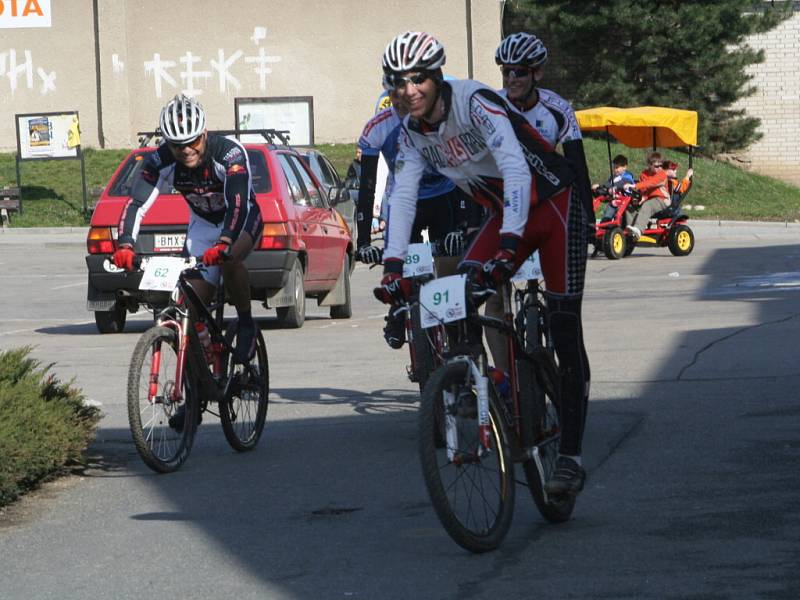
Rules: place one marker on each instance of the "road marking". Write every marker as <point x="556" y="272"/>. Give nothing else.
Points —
<point x="68" y="285"/>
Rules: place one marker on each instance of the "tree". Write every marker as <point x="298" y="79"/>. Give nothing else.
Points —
<point x="682" y="54"/>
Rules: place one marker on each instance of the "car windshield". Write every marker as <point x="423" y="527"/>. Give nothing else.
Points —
<point x="123" y="184"/>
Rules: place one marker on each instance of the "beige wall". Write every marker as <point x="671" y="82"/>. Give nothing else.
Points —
<point x="149" y="50"/>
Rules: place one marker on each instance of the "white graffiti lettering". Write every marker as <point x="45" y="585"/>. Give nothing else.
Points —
<point x="189" y="76"/>
<point x="159" y="70"/>
<point x="261" y="69"/>
<point x="13" y="71"/>
<point x="222" y="67"/>
<point x="48" y="80"/>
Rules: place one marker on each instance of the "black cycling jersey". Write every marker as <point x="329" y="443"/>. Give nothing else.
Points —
<point x="219" y="189"/>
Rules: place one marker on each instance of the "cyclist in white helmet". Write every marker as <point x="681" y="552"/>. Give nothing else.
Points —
<point x="521" y="57"/>
<point x="212" y="173"/>
<point x="470" y="134"/>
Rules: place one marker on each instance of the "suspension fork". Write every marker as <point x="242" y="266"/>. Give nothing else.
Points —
<point x="183" y="346"/>
<point x="155" y="364"/>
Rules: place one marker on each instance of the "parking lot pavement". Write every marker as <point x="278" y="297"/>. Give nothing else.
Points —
<point x="691" y="447"/>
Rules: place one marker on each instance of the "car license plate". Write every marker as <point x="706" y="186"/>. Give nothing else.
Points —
<point x="168" y="242"/>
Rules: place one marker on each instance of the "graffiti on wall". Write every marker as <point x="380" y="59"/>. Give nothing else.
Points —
<point x="193" y="74"/>
<point x="20" y="69"/>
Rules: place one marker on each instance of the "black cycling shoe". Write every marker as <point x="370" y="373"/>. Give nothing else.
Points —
<point x="245" y="341"/>
<point x="177" y="420"/>
<point x="394" y="332"/>
<point x="568" y="478"/>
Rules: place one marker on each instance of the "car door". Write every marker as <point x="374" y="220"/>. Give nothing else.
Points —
<point x="308" y="221"/>
<point x="328" y="227"/>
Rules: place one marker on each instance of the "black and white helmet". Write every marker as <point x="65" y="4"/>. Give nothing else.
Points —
<point x="521" y="49"/>
<point x="182" y="120"/>
<point x="413" y="51"/>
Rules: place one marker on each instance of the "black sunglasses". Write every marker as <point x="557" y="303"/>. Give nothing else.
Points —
<point x="193" y="144"/>
<point x="516" y="72"/>
<point x="396" y="82"/>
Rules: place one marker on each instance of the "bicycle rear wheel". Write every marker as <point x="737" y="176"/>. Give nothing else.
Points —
<point x="473" y="495"/>
<point x="151" y="386"/>
<point x="243" y="406"/>
<point x="541" y="430"/>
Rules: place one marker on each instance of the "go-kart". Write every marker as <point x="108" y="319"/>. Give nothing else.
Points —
<point x="666" y="228"/>
<point x="641" y="127"/>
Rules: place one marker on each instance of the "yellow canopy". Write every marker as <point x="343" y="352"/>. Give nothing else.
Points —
<point x="635" y="127"/>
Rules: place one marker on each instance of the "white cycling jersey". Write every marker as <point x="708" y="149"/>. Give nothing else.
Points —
<point x="552" y="116"/>
<point x="486" y="148"/>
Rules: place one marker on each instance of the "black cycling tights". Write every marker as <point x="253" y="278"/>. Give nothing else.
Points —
<point x="567" y="331"/>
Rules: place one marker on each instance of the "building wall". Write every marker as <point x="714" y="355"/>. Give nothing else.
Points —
<point x="776" y="102"/>
<point x="216" y="51"/>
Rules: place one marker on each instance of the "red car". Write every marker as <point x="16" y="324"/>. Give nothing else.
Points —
<point x="306" y="250"/>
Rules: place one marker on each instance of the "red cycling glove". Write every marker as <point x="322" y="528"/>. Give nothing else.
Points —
<point x="394" y="289"/>
<point x="502" y="266"/>
<point x="216" y="254"/>
<point x="123" y="258"/>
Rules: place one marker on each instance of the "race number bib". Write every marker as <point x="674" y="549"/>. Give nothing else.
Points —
<point x="419" y="261"/>
<point x="161" y="273"/>
<point x="530" y="269"/>
<point x="443" y="300"/>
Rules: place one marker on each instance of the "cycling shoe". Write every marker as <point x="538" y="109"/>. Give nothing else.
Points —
<point x="245" y="341"/>
<point x="177" y="420"/>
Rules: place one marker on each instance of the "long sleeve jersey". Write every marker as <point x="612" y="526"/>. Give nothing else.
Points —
<point x="653" y="185"/>
<point x="551" y="116"/>
<point x="487" y="149"/>
<point x="219" y="190"/>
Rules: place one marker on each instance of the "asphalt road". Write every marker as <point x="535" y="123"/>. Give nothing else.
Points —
<point x="692" y="449"/>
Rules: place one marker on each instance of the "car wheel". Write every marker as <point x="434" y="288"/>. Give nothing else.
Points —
<point x="344" y="311"/>
<point x="111" y="321"/>
<point x="293" y="317"/>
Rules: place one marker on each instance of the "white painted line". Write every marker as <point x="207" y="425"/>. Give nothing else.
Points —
<point x="69" y="285"/>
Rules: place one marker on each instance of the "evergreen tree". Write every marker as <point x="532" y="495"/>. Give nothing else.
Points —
<point x="682" y="54"/>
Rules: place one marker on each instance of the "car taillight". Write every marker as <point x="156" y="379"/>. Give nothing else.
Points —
<point x="100" y="241"/>
<point x="276" y="235"/>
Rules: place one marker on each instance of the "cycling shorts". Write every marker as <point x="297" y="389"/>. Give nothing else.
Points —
<point x="557" y="228"/>
<point x="202" y="235"/>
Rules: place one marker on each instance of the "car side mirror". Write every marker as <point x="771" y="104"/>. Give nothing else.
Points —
<point x="337" y="194"/>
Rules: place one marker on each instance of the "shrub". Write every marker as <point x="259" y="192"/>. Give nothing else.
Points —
<point x="44" y="424"/>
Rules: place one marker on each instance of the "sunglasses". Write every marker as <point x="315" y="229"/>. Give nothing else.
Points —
<point x="516" y="72"/>
<point x="656" y="165"/>
<point x="398" y="82"/>
<point x="193" y="144"/>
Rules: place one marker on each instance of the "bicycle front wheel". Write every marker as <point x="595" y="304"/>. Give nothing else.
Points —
<point x="243" y="406"/>
<point x="154" y="396"/>
<point x="472" y="490"/>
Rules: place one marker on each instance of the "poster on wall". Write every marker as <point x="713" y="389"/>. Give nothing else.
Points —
<point x="292" y="113"/>
<point x="48" y="135"/>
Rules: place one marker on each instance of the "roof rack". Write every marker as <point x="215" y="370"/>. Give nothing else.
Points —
<point x="271" y="136"/>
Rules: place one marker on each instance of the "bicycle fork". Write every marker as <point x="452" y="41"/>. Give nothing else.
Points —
<point x="477" y="373"/>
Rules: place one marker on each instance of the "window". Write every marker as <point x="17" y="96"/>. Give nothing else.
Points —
<point x="259" y="172"/>
<point x="315" y="196"/>
<point x="295" y="187"/>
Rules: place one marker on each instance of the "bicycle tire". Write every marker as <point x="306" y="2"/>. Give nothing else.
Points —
<point x="423" y="356"/>
<point x="162" y="448"/>
<point x="243" y="417"/>
<point x="452" y="500"/>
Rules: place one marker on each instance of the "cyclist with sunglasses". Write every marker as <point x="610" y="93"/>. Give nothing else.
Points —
<point x="470" y="134"/>
<point x="442" y="208"/>
<point x="212" y="173"/>
<point x="521" y="57"/>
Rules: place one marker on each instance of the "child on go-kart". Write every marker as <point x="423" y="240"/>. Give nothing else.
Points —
<point x="677" y="188"/>
<point x="653" y="186"/>
<point x="617" y="181"/>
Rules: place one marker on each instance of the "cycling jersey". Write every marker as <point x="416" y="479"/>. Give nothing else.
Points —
<point x="219" y="190"/>
<point x="380" y="136"/>
<point x="477" y="146"/>
<point x="552" y="116"/>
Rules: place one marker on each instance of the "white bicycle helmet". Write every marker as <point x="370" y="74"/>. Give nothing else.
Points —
<point x="182" y="120"/>
<point x="521" y="49"/>
<point x="413" y="51"/>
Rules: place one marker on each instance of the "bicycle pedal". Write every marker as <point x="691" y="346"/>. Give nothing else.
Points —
<point x="412" y="376"/>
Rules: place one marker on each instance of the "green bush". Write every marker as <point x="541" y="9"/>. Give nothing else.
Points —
<point x="44" y="424"/>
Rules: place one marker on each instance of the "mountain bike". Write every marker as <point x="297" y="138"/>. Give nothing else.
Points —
<point x="174" y="375"/>
<point x="470" y="479"/>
